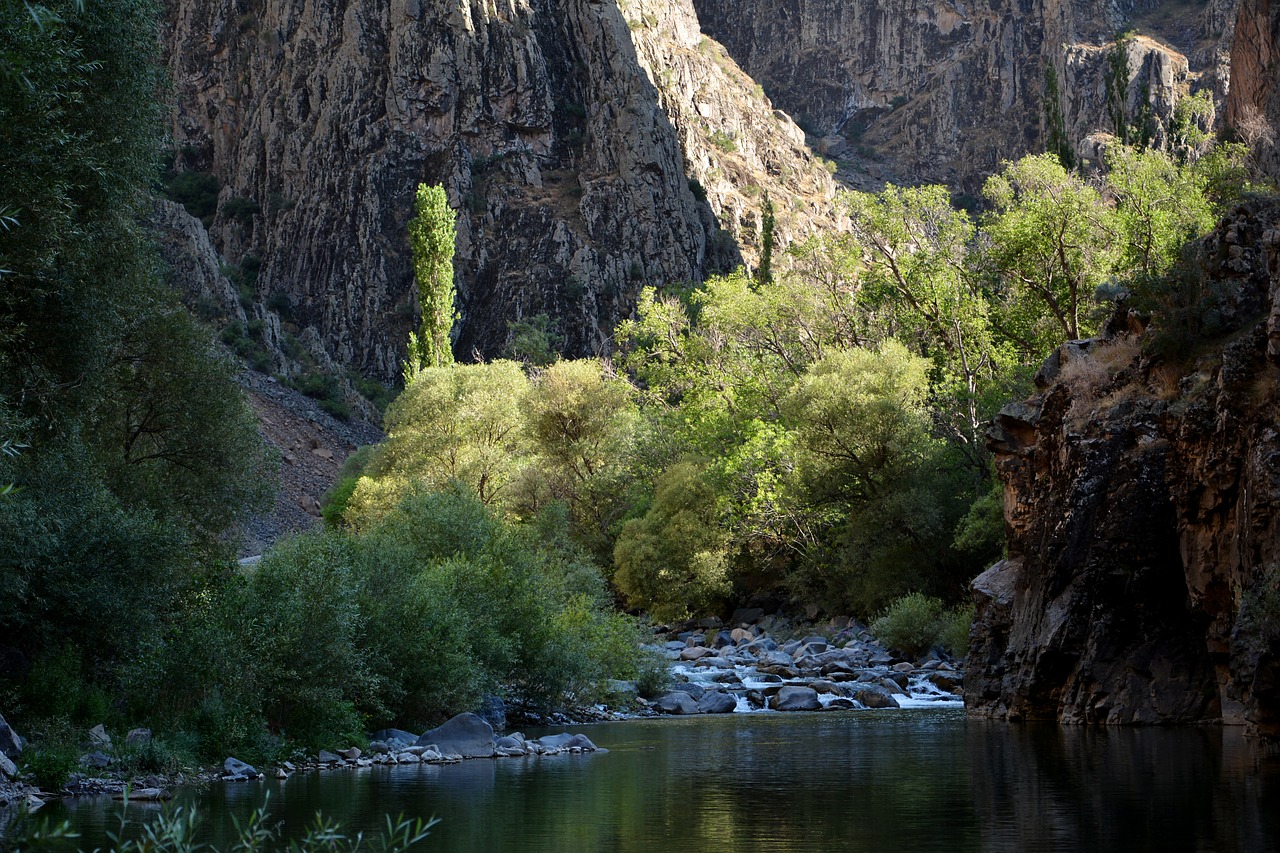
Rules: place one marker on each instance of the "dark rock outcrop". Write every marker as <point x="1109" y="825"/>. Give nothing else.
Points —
<point x="1142" y="503"/>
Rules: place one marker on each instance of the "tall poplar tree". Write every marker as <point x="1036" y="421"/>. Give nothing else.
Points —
<point x="431" y="238"/>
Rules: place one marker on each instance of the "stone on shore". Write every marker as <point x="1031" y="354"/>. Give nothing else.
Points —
<point x="676" y="702"/>
<point x="10" y="743"/>
<point x="236" y="767"/>
<point x="466" y="734"/>
<point x="791" y="698"/>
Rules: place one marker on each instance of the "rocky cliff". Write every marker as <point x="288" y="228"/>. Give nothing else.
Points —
<point x="915" y="91"/>
<point x="1142" y="502"/>
<point x="590" y="148"/>
<point x="1253" y="107"/>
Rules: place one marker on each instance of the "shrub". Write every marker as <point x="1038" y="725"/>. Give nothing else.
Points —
<point x="910" y="624"/>
<point x="953" y="630"/>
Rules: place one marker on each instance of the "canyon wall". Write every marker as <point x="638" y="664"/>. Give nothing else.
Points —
<point x="915" y="91"/>
<point x="1142" y="503"/>
<point x="590" y="148"/>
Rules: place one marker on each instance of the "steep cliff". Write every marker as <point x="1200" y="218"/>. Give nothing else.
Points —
<point x="566" y="133"/>
<point x="1253" y="106"/>
<point x="911" y="91"/>
<point x="1142" y="501"/>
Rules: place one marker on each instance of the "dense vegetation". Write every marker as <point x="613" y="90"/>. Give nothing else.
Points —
<point x="129" y="456"/>
<point x="819" y="431"/>
<point x="813" y="430"/>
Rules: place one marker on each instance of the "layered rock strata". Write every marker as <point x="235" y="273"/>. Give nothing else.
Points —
<point x="1142" y="502"/>
<point x="566" y="133"/>
<point x="943" y="92"/>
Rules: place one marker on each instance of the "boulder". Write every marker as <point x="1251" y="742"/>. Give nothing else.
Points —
<point x="775" y="658"/>
<point x="717" y="702"/>
<point x="350" y="753"/>
<point x="676" y="702"/>
<point x="841" y="704"/>
<point x="138" y="737"/>
<point x="723" y="639"/>
<point x="746" y="616"/>
<point x="876" y="697"/>
<point x="10" y="743"/>
<point x="8" y="770"/>
<point x="96" y="760"/>
<point x="792" y="698"/>
<point x="565" y="740"/>
<point x="98" y="737"/>
<point x="741" y="636"/>
<point x="944" y="680"/>
<point x="693" y="688"/>
<point x="389" y="735"/>
<point x="236" y="767"/>
<point x="327" y="757"/>
<point x="695" y="652"/>
<point x="466" y="734"/>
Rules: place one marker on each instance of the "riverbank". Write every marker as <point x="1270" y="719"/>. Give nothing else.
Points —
<point x="755" y="663"/>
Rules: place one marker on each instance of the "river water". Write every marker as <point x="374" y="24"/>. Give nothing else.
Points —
<point x="893" y="780"/>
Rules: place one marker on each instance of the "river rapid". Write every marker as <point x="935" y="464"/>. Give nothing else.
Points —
<point x="912" y="779"/>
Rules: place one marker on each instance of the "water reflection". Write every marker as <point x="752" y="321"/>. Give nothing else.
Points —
<point x="864" y="781"/>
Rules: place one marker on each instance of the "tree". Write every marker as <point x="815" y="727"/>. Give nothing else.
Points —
<point x="458" y="423"/>
<point x="432" y="234"/>
<point x="674" y="560"/>
<point x="917" y="274"/>
<point x="764" y="275"/>
<point x="1051" y="240"/>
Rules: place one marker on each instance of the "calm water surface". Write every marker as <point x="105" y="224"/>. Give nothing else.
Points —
<point x="914" y="780"/>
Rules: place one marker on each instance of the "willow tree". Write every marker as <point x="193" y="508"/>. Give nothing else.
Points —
<point x="431" y="238"/>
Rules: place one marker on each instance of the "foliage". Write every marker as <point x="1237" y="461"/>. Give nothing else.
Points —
<point x="674" y="560"/>
<point x="174" y="830"/>
<point x="533" y="341"/>
<point x="910" y="624"/>
<point x="432" y="234"/>
<point x="1051" y="243"/>
<point x="915" y="623"/>
<point x="764" y="275"/>
<point x="461" y="422"/>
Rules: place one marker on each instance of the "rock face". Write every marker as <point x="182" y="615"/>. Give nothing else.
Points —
<point x="1142" y="502"/>
<point x="566" y="133"/>
<point x="943" y="91"/>
<point x="1253" y="105"/>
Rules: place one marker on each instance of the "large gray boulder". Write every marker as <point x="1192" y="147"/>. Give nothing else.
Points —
<point x="791" y="698"/>
<point x="676" y="702"/>
<point x="717" y="702"/>
<point x="466" y="734"/>
<point x="10" y="744"/>
<point x="236" y="767"/>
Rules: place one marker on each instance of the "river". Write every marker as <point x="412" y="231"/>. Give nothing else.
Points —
<point x="893" y="780"/>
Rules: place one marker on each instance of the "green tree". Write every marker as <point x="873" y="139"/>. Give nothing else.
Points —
<point x="764" y="275"/>
<point x="457" y="423"/>
<point x="917" y="274"/>
<point x="1051" y="240"/>
<point x="674" y="560"/>
<point x="432" y="234"/>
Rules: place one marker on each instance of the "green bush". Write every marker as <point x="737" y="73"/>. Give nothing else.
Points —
<point x="910" y="624"/>
<point x="953" y="630"/>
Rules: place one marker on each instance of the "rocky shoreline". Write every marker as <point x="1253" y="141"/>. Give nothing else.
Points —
<point x="755" y="663"/>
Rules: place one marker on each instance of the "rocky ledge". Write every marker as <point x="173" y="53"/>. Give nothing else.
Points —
<point x="1142" y="504"/>
<point x="720" y="670"/>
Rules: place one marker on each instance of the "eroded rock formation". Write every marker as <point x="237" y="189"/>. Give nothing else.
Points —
<point x="1142" y="501"/>
<point x="944" y="91"/>
<point x="566" y="133"/>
